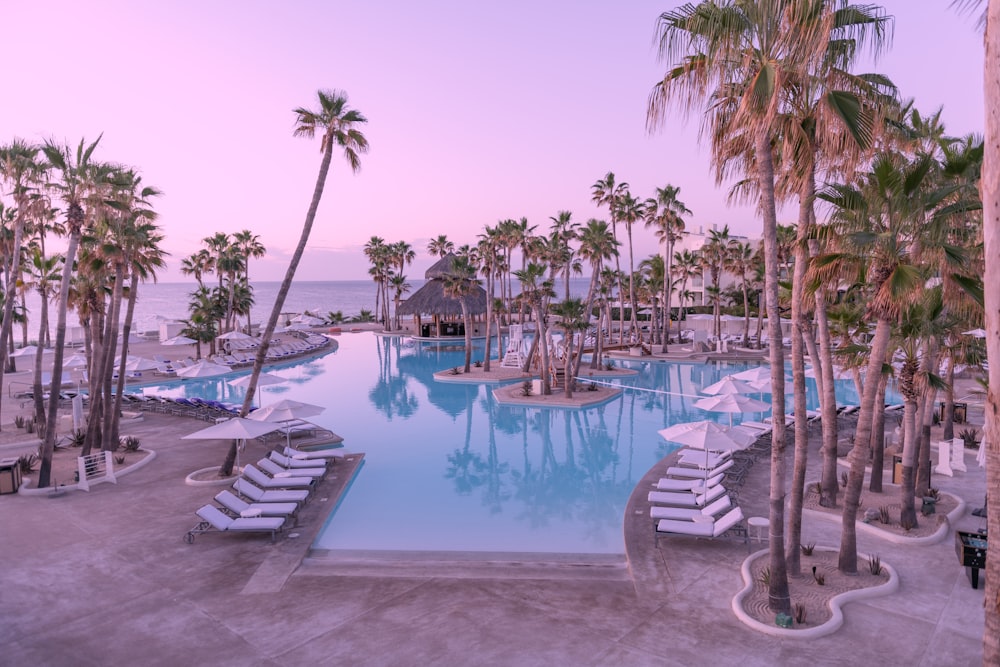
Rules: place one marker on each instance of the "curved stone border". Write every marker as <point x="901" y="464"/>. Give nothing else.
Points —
<point x="871" y="529"/>
<point x="836" y="602"/>
<point x="220" y="481"/>
<point x="27" y="490"/>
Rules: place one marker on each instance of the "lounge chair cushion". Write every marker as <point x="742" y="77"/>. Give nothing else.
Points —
<point x="220" y="521"/>
<point x="234" y="504"/>
<point x="701" y="529"/>
<point x="686" y="499"/>
<point x="272" y="468"/>
<point x="688" y="513"/>
<point x="289" y="462"/>
<point x="687" y="484"/>
<point x="686" y="471"/>
<point x="245" y="488"/>
<point x="263" y="481"/>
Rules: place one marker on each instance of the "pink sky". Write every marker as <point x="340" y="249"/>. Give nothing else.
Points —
<point x="477" y="111"/>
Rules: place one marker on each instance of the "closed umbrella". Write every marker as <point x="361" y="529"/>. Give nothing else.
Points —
<point x="731" y="403"/>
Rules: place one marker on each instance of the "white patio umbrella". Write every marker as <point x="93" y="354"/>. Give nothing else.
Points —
<point x="285" y="410"/>
<point x="707" y="435"/>
<point x="179" y="340"/>
<point x="203" y="369"/>
<point x="729" y="385"/>
<point x="731" y="403"/>
<point x="75" y="361"/>
<point x="838" y="373"/>
<point x="755" y="374"/>
<point x="137" y="364"/>
<point x="236" y="428"/>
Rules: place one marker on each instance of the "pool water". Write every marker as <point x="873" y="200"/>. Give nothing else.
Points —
<point x="448" y="469"/>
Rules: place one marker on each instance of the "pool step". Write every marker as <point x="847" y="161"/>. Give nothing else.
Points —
<point x="466" y="565"/>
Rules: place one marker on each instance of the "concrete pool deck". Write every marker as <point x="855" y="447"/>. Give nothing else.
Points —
<point x="105" y="578"/>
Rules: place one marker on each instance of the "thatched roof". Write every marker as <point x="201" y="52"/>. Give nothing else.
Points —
<point x="440" y="268"/>
<point x="431" y="300"/>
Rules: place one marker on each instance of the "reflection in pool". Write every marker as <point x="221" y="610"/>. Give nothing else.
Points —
<point x="448" y="469"/>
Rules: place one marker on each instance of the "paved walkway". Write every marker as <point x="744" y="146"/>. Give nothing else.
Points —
<point x="105" y="578"/>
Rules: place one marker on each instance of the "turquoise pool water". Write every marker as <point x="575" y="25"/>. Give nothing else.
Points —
<point x="449" y="469"/>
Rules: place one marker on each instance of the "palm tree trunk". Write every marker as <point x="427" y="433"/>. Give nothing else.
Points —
<point x="668" y="293"/>
<point x="778" y="594"/>
<point x="8" y="304"/>
<point x="468" y="332"/>
<point x="990" y="188"/>
<point x="279" y="301"/>
<point x="49" y="444"/>
<point x="878" y="441"/>
<point x="126" y="332"/>
<point x="847" y="561"/>
<point x="907" y="511"/>
<point x="827" y="404"/>
<point x="111" y="339"/>
<point x="489" y="320"/>
<point x="36" y="388"/>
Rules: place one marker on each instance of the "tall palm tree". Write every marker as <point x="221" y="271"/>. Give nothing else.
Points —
<point x="572" y="320"/>
<point x="734" y="57"/>
<point x="460" y="283"/>
<point x="630" y="210"/>
<point x="251" y="248"/>
<point x="715" y="258"/>
<point x="21" y="169"/>
<point x="489" y="248"/>
<point x="597" y="245"/>
<point x="564" y="231"/>
<point x="686" y="266"/>
<point x="878" y="223"/>
<point x="197" y="264"/>
<point x="536" y="291"/>
<point x="608" y="192"/>
<point x="77" y="177"/>
<point x="741" y="264"/>
<point x="339" y="125"/>
<point x="43" y="275"/>
<point x="665" y="212"/>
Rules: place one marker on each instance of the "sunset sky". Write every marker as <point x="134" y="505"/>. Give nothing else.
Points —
<point x="477" y="111"/>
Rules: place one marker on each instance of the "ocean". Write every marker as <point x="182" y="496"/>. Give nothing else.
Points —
<point x="160" y="302"/>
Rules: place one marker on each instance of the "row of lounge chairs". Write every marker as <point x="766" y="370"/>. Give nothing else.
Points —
<point x="267" y="497"/>
<point x="195" y="408"/>
<point x="693" y="498"/>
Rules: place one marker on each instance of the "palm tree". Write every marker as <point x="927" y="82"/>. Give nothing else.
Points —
<point x="440" y="246"/>
<point x="250" y="247"/>
<point x="198" y="264"/>
<point x="43" y="274"/>
<point x="714" y="258"/>
<point x="666" y="213"/>
<point x="597" y="245"/>
<point x="734" y="57"/>
<point x="460" y="283"/>
<point x="76" y="178"/>
<point x="686" y="266"/>
<point x="564" y="230"/>
<point x="536" y="291"/>
<point x="741" y="264"/>
<point x="631" y="209"/>
<point x="608" y="192"/>
<point x="573" y="319"/>
<point x="490" y="243"/>
<point x="877" y="223"/>
<point x="22" y="170"/>
<point x="339" y="126"/>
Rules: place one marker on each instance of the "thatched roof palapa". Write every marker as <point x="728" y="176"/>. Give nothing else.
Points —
<point x="432" y="300"/>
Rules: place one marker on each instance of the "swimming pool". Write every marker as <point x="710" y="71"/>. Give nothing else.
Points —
<point x="448" y="469"/>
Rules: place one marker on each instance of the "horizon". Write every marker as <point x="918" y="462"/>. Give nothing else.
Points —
<point x="475" y="114"/>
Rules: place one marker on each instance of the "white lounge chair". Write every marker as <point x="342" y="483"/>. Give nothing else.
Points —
<point x="300" y="455"/>
<point x="708" y="528"/>
<point x="243" y="509"/>
<point x="694" y="484"/>
<point x="692" y="471"/>
<point x="283" y="482"/>
<point x="702" y="459"/>
<point x="272" y="468"/>
<point x="686" y="499"/>
<point x="293" y="463"/>
<point x="249" y="490"/>
<point x="213" y="518"/>
<point x="688" y="513"/>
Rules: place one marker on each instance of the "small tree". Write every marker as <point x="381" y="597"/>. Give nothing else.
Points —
<point x="460" y="283"/>
<point x="572" y="319"/>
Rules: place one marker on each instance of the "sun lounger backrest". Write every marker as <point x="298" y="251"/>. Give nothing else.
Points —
<point x="710" y="495"/>
<point x="247" y="489"/>
<point x="231" y="502"/>
<point x="255" y="476"/>
<point x="717" y="506"/>
<point x="728" y="521"/>
<point x="212" y="515"/>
